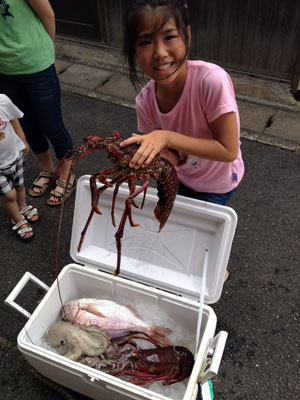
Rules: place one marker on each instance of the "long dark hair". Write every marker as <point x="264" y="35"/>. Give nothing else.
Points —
<point x="176" y="9"/>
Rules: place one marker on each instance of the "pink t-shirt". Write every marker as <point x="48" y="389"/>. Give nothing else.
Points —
<point x="207" y="94"/>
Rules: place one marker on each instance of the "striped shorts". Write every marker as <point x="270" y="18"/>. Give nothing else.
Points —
<point x="12" y="175"/>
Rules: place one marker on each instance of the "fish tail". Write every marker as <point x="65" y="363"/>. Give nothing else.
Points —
<point x="159" y="335"/>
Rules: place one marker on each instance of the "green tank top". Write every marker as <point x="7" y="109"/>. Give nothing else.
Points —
<point x="25" y="46"/>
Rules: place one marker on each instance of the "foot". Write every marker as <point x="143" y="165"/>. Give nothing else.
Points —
<point x="23" y="229"/>
<point x="60" y="190"/>
<point x="30" y="213"/>
<point x="41" y="183"/>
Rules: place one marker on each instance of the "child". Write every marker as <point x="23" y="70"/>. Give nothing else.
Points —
<point x="12" y="146"/>
<point x="188" y="109"/>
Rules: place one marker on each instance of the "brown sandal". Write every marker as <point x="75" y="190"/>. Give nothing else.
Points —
<point x="62" y="196"/>
<point x="42" y="187"/>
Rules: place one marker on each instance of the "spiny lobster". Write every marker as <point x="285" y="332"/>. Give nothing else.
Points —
<point x="169" y="364"/>
<point x="159" y="169"/>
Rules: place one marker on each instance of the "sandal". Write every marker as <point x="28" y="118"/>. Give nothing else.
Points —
<point x="62" y="196"/>
<point x="22" y="232"/>
<point x="28" y="216"/>
<point x="42" y="186"/>
<point x="32" y="213"/>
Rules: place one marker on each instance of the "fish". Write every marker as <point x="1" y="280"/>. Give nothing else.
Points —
<point x="74" y="341"/>
<point x="115" y="319"/>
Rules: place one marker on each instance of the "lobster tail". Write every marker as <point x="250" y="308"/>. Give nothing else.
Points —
<point x="161" y="216"/>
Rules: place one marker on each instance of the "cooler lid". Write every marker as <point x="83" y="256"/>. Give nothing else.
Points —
<point x="171" y="260"/>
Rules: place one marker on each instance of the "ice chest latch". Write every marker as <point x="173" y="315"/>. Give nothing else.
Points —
<point x="171" y="260"/>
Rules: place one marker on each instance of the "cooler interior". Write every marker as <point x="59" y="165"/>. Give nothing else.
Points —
<point x="178" y="313"/>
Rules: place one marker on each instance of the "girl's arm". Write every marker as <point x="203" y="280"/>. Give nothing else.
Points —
<point x="45" y="13"/>
<point x="19" y="131"/>
<point x="222" y="147"/>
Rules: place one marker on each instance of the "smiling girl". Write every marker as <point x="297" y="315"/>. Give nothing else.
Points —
<point x="188" y="109"/>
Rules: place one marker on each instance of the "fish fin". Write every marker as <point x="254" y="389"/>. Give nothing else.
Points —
<point x="133" y="310"/>
<point x="94" y="310"/>
<point x="159" y="334"/>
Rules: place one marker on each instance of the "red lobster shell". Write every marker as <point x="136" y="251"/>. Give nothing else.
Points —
<point x="169" y="364"/>
<point x="159" y="169"/>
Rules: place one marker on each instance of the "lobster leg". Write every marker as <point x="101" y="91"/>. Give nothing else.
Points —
<point x="120" y="231"/>
<point x="102" y="178"/>
<point x="95" y="193"/>
<point x="118" y="184"/>
<point x="146" y="179"/>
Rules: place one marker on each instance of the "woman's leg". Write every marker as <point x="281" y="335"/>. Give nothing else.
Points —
<point x="38" y="96"/>
<point x="47" y="107"/>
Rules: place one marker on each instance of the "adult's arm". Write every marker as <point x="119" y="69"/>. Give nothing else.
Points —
<point x="45" y="13"/>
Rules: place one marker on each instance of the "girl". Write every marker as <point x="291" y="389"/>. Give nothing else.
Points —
<point x="188" y="109"/>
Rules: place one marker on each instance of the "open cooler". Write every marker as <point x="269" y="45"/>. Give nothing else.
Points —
<point x="177" y="272"/>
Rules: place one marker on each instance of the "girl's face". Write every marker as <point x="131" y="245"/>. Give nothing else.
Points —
<point x="160" y="55"/>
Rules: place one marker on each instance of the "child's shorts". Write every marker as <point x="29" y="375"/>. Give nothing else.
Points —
<point x="12" y="176"/>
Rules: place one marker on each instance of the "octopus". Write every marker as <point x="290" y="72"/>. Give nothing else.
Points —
<point x="74" y="341"/>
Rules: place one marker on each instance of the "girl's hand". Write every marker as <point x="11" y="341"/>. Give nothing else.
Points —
<point x="151" y="144"/>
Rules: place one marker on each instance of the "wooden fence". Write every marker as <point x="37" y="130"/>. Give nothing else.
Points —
<point x="257" y="37"/>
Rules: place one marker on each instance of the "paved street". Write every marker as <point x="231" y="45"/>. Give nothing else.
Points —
<point x="259" y="307"/>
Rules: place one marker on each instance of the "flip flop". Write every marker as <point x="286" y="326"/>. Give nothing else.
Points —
<point x="62" y="196"/>
<point x="43" y="187"/>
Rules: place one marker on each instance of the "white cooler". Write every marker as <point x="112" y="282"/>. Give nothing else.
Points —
<point x="180" y="271"/>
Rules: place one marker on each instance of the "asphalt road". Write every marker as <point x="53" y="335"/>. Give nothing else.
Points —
<point x="259" y="306"/>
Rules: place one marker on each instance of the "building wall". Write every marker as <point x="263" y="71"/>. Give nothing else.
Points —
<point x="257" y="37"/>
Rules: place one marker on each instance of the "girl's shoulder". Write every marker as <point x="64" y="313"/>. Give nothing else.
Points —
<point x="146" y="94"/>
<point x="204" y="69"/>
<point x="208" y="76"/>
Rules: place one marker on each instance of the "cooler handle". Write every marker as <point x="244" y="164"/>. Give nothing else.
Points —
<point x="10" y="300"/>
<point x="217" y="346"/>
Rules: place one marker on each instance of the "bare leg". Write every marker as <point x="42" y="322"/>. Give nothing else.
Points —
<point x="11" y="206"/>
<point x="47" y="165"/>
<point x="64" y="173"/>
<point x="21" y="197"/>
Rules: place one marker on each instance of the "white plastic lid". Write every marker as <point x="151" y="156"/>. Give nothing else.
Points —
<point x="171" y="260"/>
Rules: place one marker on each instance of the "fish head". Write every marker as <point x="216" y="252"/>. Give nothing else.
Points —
<point x="69" y="311"/>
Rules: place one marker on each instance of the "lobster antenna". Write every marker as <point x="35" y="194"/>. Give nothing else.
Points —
<point x="60" y="224"/>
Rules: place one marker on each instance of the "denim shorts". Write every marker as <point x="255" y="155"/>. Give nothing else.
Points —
<point x="38" y="97"/>
<point x="217" y="198"/>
